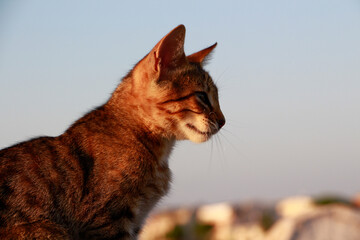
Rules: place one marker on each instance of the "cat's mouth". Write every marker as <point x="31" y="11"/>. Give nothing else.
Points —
<point x="192" y="127"/>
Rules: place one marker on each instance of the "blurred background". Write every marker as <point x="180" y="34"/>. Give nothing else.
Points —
<point x="288" y="74"/>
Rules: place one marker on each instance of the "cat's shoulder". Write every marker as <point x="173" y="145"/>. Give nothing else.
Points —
<point x="24" y="146"/>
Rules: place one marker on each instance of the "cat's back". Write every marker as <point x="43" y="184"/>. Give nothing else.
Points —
<point x="25" y="156"/>
<point x="31" y="175"/>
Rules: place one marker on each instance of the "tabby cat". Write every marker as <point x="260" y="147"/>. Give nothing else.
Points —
<point x="100" y="178"/>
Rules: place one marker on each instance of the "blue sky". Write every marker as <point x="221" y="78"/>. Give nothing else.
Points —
<point x="288" y="73"/>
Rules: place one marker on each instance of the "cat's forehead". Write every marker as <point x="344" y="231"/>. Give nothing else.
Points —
<point x="195" y="75"/>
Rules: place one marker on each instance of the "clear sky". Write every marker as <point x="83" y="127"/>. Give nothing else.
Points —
<point x="288" y="73"/>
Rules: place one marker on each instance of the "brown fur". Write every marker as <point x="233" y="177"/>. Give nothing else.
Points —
<point x="100" y="178"/>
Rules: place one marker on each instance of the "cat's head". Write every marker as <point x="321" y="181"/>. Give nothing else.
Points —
<point x="177" y="97"/>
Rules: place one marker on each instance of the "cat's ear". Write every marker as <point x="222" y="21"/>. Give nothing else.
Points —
<point x="169" y="51"/>
<point x="202" y="56"/>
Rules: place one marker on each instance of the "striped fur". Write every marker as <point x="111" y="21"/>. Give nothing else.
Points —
<point x="102" y="176"/>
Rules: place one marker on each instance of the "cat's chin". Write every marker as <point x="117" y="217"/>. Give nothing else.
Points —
<point x="195" y="135"/>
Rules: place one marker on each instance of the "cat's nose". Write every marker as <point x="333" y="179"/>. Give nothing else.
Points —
<point x="221" y="120"/>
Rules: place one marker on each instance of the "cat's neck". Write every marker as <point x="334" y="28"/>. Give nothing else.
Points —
<point x="133" y="112"/>
<point x="135" y="104"/>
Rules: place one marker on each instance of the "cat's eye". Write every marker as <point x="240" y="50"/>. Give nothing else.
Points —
<point x="203" y="97"/>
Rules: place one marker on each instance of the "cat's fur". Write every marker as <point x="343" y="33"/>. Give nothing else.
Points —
<point x="101" y="177"/>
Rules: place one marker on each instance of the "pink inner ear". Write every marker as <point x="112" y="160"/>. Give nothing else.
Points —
<point x="157" y="61"/>
<point x="200" y="56"/>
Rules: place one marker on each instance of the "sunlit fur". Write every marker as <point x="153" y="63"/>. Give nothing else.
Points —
<point x="170" y="107"/>
<point x="195" y="121"/>
<point x="103" y="175"/>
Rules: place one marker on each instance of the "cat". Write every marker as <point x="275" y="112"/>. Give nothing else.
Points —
<point x="102" y="176"/>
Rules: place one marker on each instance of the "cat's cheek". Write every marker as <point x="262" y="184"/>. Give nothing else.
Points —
<point x="193" y="134"/>
<point x="199" y="138"/>
<point x="180" y="135"/>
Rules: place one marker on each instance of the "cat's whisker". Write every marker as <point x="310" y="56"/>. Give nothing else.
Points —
<point x="222" y="148"/>
<point x="216" y="143"/>
<point x="218" y="78"/>
<point x="234" y="123"/>
<point x="229" y="142"/>
<point x="213" y="126"/>
<point x="229" y="132"/>
<point x="220" y="151"/>
<point x="218" y="147"/>
<point x="211" y="153"/>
